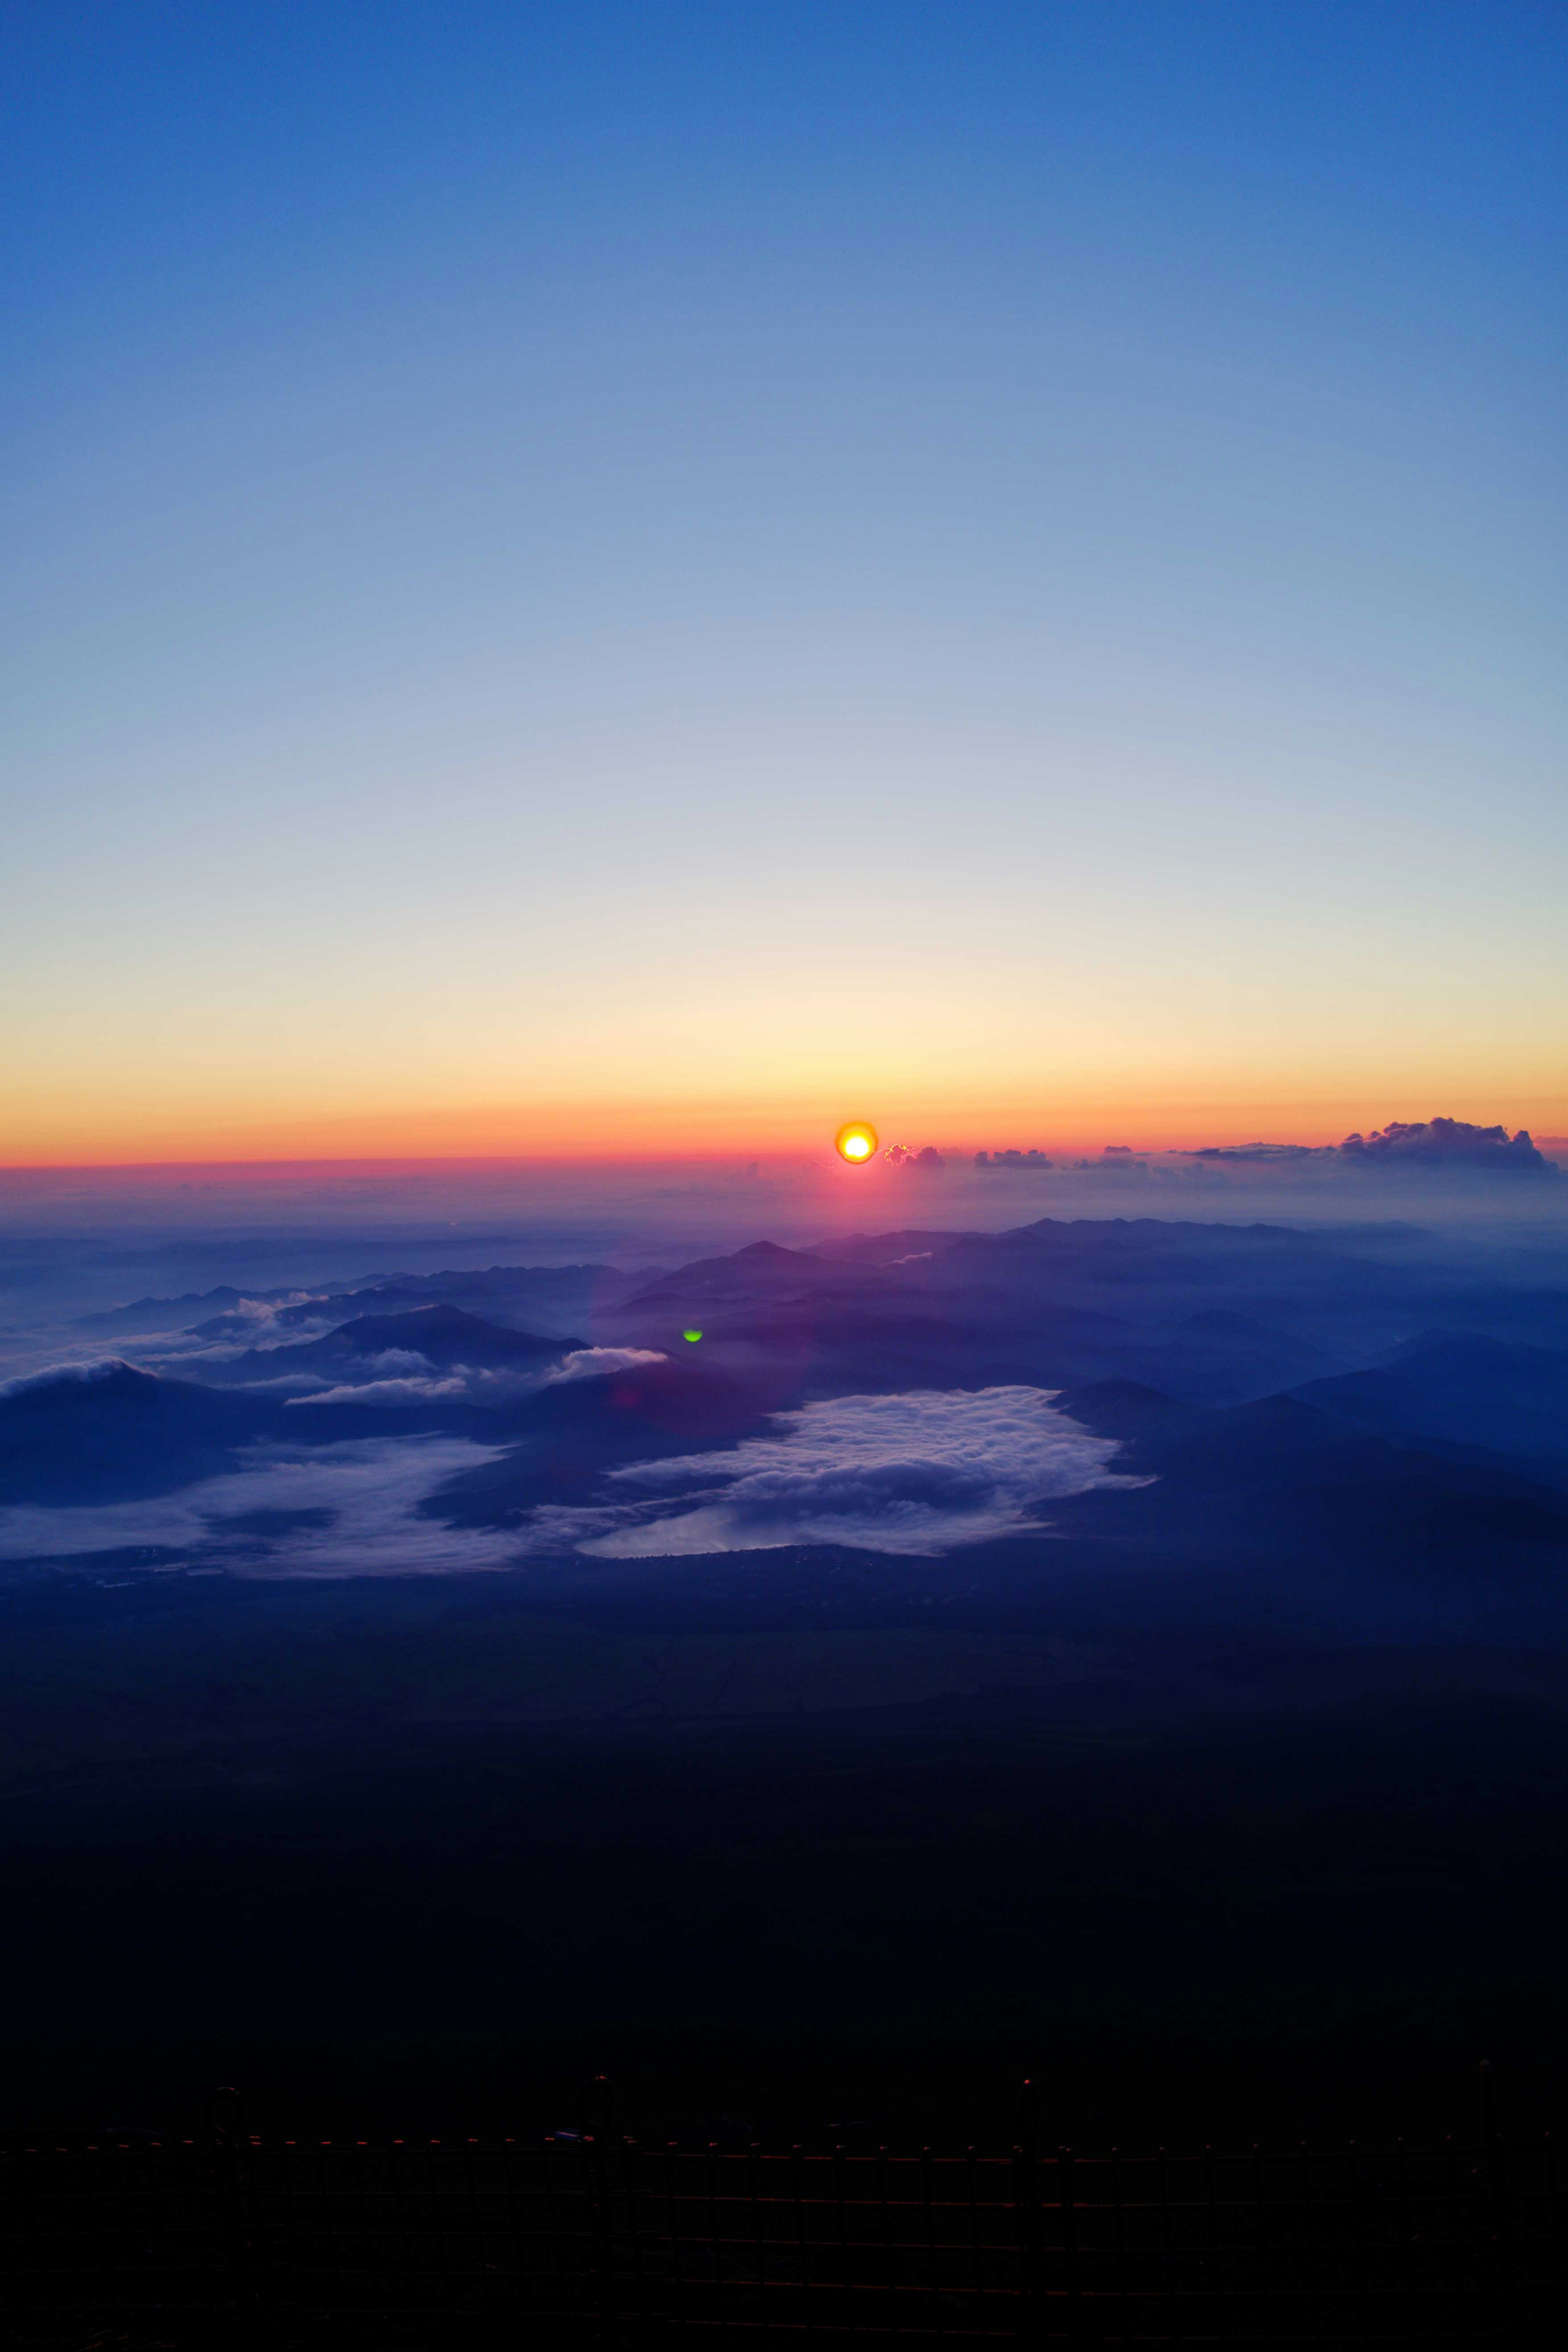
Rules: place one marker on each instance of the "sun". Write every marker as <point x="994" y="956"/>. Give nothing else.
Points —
<point x="857" y="1142"/>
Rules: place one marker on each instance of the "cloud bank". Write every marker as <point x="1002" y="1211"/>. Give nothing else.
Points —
<point x="401" y="1377"/>
<point x="913" y="1474"/>
<point x="1446" y="1143"/>
<point x="362" y="1499"/>
<point x="1408" y="1147"/>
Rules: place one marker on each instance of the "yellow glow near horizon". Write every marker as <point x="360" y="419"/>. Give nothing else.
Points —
<point x="856" y="1142"/>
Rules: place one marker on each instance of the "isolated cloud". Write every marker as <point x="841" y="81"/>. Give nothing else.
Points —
<point x="363" y="1496"/>
<point x="395" y="1364"/>
<point x="593" y="1363"/>
<point x="916" y="1474"/>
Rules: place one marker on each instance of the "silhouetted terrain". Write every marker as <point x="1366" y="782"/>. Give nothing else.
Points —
<point x="1139" y="1650"/>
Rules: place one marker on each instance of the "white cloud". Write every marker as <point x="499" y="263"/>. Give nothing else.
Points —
<point x="55" y="1375"/>
<point x="916" y="1474"/>
<point x="451" y="1387"/>
<point x="593" y="1363"/>
<point x="391" y="1363"/>
<point x="252" y="1324"/>
<point x="400" y="1382"/>
<point x="371" y="1487"/>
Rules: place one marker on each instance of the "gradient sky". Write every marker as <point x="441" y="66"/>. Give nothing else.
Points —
<point x="602" y="577"/>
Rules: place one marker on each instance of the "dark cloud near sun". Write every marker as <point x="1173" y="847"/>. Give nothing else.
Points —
<point x="1446" y="1143"/>
<point x="1404" y="1146"/>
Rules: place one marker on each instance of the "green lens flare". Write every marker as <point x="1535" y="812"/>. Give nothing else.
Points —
<point x="693" y="1336"/>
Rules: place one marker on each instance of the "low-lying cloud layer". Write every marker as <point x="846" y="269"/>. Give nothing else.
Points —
<point x="53" y="1376"/>
<point x="339" y="1510"/>
<point x="915" y="1474"/>
<point x="399" y="1376"/>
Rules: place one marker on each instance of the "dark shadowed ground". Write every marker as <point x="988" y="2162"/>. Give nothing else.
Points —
<point x="1226" y="1799"/>
<point x="1261" y="1891"/>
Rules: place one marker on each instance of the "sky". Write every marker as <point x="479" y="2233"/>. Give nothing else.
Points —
<point x="623" y="580"/>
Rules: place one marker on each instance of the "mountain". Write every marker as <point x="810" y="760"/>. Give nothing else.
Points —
<point x="1123" y="1409"/>
<point x="110" y="1433"/>
<point x="441" y="1335"/>
<point x="571" y="1433"/>
<point x="1052" y="1304"/>
<point x="1284" y="1487"/>
<point x="1462" y="1389"/>
<point x="762" y="1272"/>
<point x="445" y="1335"/>
<point x="557" y="1299"/>
<point x="158" y="1314"/>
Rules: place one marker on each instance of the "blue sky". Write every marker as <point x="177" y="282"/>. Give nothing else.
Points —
<point x="678" y="570"/>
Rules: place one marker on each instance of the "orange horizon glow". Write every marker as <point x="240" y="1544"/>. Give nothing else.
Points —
<point x="566" y="1136"/>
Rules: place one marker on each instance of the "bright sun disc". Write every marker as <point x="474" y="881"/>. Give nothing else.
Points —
<point x="856" y="1142"/>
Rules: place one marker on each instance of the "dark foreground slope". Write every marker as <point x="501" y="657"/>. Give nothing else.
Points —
<point x="1245" y="1786"/>
<point x="418" y="1853"/>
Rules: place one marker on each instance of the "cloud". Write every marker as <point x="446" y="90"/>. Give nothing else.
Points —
<point x="593" y="1363"/>
<point x="365" y="1495"/>
<point x="915" y="1474"/>
<point x="1262" y="1152"/>
<point x="453" y="1387"/>
<point x="1413" y="1147"/>
<point x="1446" y="1143"/>
<point x="251" y="1324"/>
<point x="61" y="1376"/>
<point x="397" y="1378"/>
<point x="928" y="1161"/>
<point x="393" y="1363"/>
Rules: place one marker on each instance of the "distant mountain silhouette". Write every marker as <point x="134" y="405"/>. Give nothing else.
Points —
<point x="762" y="1271"/>
<point x="1285" y="1486"/>
<point x="447" y="1335"/>
<point x="158" y="1314"/>
<point x="1122" y="1408"/>
<point x="557" y="1300"/>
<point x="443" y="1336"/>
<point x="119" y="1435"/>
<point x="1058" y="1304"/>
<point x="1464" y="1388"/>
<point x="557" y="1297"/>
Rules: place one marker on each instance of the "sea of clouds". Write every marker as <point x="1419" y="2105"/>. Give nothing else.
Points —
<point x="917" y="1474"/>
<point x="402" y="1376"/>
<point x="362" y="1496"/>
